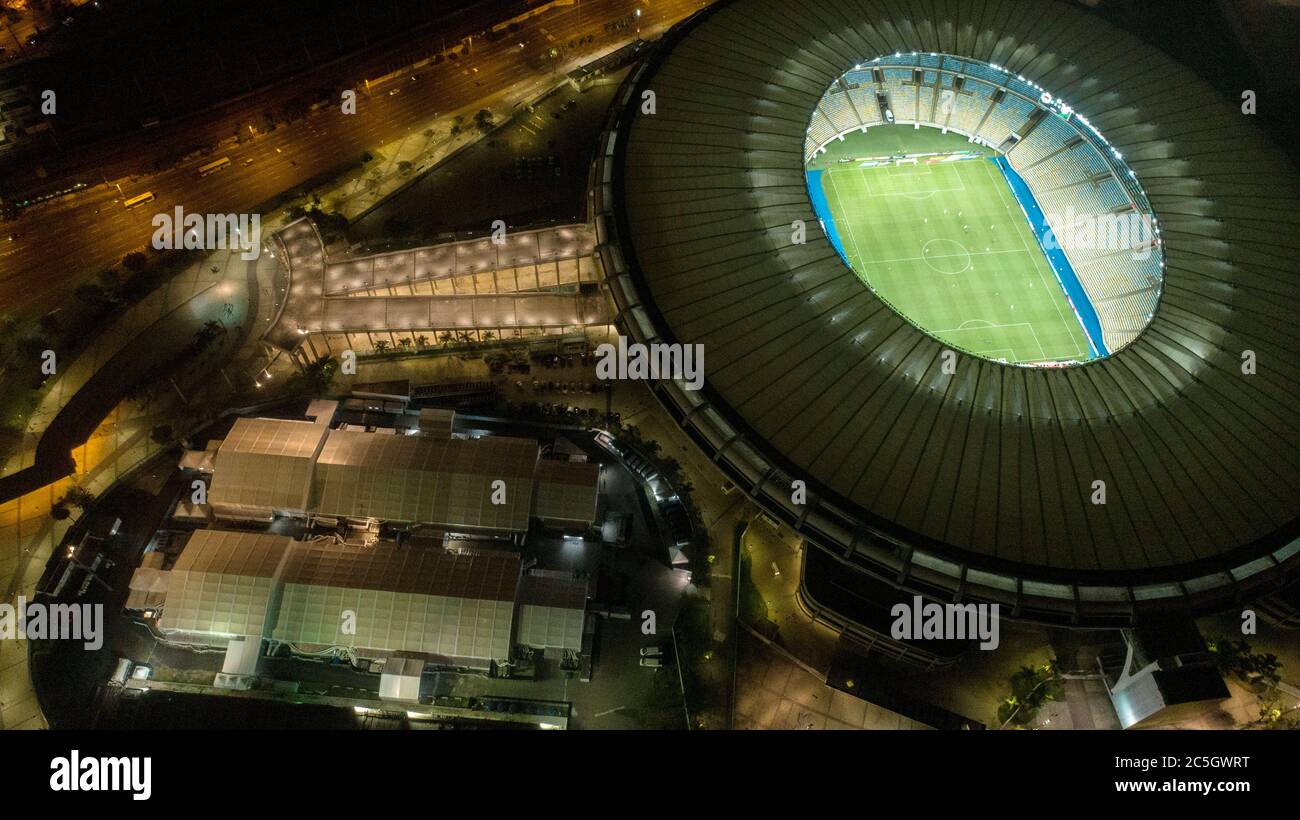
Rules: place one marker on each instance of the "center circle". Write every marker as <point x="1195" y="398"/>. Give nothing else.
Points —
<point x="923" y="166"/>
<point x="946" y="256"/>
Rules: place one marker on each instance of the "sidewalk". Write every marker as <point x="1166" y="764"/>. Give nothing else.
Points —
<point x="213" y="288"/>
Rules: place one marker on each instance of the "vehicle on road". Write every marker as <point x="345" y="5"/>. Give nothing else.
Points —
<point x="214" y="166"/>
<point x="139" y="199"/>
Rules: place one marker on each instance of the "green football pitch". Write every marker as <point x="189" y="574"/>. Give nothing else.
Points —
<point x="950" y="248"/>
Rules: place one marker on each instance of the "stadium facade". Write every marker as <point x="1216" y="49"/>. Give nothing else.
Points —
<point x="979" y="484"/>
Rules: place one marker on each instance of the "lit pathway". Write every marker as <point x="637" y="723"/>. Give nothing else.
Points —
<point x="168" y="317"/>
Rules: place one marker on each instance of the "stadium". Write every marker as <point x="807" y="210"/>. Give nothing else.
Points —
<point x="867" y="216"/>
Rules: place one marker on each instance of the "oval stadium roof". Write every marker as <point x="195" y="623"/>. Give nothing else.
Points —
<point x="990" y="470"/>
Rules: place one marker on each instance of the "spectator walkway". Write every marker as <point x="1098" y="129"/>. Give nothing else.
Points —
<point x="539" y="279"/>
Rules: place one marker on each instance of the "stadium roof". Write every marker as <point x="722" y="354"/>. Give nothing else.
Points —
<point x="979" y="481"/>
<point x="267" y="463"/>
<point x="425" y="480"/>
<point x="222" y="583"/>
<point x="566" y="490"/>
<point x="454" y="607"/>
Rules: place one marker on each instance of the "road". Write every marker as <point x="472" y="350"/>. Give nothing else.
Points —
<point x="66" y="241"/>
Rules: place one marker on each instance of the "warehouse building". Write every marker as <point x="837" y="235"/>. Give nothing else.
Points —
<point x="487" y="487"/>
<point x="566" y="494"/>
<point x="224" y="585"/>
<point x="552" y="609"/>
<point x="449" y="609"/>
<point x="468" y="609"/>
<point x="264" y="467"/>
<point x="475" y="486"/>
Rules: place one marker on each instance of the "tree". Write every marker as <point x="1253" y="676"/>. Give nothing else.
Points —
<point x="59" y="511"/>
<point x="79" y="497"/>
<point x="381" y="346"/>
<point x="110" y="280"/>
<point x="1031" y="687"/>
<point x="1233" y="657"/>
<point x="319" y="375"/>
<point x="162" y="435"/>
<point x="421" y="341"/>
<point x="93" y="296"/>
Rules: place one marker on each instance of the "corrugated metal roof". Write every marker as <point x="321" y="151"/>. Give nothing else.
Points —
<point x="248" y="554"/>
<point x="266" y="463"/>
<point x="552" y="607"/>
<point x="554" y="590"/>
<point x="452" y="607"/>
<point x="420" y="479"/>
<point x="223" y="583"/>
<point x="566" y="490"/>
<point x="389" y="568"/>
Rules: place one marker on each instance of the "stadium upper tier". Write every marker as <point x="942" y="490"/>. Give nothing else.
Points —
<point x="980" y="483"/>
<point x="1078" y="178"/>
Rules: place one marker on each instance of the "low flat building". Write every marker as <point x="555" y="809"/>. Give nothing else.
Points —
<point x="552" y="609"/>
<point x="437" y="422"/>
<point x="420" y="480"/>
<point x="448" y="609"/>
<point x="224" y="585"/>
<point x="566" y="493"/>
<point x="264" y="467"/>
<point x="1168" y="676"/>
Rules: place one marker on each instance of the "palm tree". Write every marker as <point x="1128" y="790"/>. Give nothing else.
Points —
<point x="381" y="346"/>
<point x="421" y="341"/>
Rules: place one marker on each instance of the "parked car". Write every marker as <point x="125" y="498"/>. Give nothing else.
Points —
<point x="653" y="651"/>
<point x="653" y="663"/>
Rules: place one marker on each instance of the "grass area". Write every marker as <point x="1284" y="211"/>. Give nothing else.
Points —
<point x="753" y="609"/>
<point x="888" y="140"/>
<point x="948" y="245"/>
<point x="701" y="669"/>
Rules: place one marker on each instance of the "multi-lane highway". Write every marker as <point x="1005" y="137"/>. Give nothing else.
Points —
<point x="66" y="241"/>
